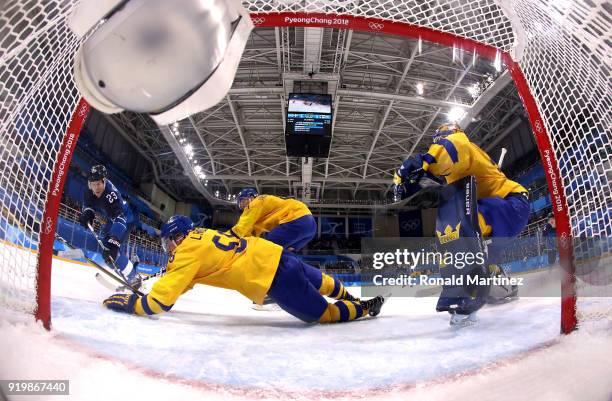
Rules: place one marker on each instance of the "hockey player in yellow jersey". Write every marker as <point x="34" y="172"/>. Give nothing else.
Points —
<point x="252" y="266"/>
<point x="503" y="207"/>
<point x="474" y="183"/>
<point x="286" y="222"/>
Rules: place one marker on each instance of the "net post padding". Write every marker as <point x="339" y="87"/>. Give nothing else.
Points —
<point x="548" y="158"/>
<point x="49" y="222"/>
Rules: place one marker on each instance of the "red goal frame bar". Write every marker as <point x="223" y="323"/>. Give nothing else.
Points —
<point x="49" y="221"/>
<point x="547" y="154"/>
<point x="320" y="20"/>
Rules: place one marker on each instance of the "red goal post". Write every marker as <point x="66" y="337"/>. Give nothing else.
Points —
<point x="556" y="51"/>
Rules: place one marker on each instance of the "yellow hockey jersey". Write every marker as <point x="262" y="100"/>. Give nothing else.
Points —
<point x="266" y="212"/>
<point x="455" y="157"/>
<point x="247" y="265"/>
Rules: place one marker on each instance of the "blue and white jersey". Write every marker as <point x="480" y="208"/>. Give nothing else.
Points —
<point x="112" y="206"/>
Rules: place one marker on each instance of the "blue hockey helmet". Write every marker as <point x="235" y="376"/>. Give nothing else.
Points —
<point x="97" y="173"/>
<point x="176" y="227"/>
<point x="246" y="193"/>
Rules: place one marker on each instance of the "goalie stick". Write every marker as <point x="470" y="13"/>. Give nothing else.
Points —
<point x="120" y="280"/>
<point x="403" y="204"/>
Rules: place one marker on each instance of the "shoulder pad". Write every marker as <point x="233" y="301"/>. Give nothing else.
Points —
<point x="109" y="186"/>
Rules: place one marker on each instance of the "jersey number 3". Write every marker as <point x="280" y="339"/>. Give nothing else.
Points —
<point x="232" y="244"/>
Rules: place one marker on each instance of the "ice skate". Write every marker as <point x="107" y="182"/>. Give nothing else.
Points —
<point x="459" y="321"/>
<point x="373" y="305"/>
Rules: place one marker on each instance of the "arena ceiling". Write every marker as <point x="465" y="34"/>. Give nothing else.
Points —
<point x="390" y="94"/>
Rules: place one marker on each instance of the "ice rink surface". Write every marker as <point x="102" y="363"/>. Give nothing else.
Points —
<point x="212" y="345"/>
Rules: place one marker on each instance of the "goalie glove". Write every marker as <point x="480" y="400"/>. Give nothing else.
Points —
<point x="411" y="170"/>
<point x="123" y="303"/>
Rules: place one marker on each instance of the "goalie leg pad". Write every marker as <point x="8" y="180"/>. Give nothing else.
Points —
<point x="458" y="232"/>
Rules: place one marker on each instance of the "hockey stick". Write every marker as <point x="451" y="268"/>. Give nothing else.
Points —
<point x="102" y="269"/>
<point x="72" y="253"/>
<point x="113" y="265"/>
<point x="160" y="273"/>
<point x="110" y="286"/>
<point x="403" y="204"/>
<point x="501" y="157"/>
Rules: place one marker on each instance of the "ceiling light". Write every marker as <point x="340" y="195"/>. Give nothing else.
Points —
<point x="455" y="114"/>
<point x="419" y="88"/>
<point x="474" y="90"/>
<point x="497" y="62"/>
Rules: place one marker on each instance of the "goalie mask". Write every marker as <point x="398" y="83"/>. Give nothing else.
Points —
<point x="169" y="59"/>
<point x="447" y="129"/>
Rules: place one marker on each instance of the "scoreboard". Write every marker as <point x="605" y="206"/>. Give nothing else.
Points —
<point x="308" y="129"/>
<point x="309" y="123"/>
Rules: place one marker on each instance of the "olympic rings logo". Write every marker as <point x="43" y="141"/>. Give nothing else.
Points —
<point x="48" y="226"/>
<point x="563" y="241"/>
<point x="82" y="110"/>
<point x="258" y="20"/>
<point x="411" y="225"/>
<point x="538" y="125"/>
<point x="377" y="26"/>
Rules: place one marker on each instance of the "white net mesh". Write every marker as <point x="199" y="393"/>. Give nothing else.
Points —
<point x="566" y="63"/>
<point x="482" y="21"/>
<point x="37" y="98"/>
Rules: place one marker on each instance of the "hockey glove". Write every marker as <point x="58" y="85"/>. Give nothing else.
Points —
<point x="112" y="245"/>
<point x="121" y="302"/>
<point x="87" y="217"/>
<point x="411" y="169"/>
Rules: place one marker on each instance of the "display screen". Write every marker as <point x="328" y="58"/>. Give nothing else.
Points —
<point x="309" y="114"/>
<point x="310" y="103"/>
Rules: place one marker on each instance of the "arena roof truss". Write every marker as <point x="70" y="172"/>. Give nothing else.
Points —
<point x="390" y="94"/>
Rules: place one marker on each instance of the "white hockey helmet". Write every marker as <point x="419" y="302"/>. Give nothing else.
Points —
<point x="169" y="59"/>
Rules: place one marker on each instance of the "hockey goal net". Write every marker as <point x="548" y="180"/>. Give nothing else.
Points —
<point x="558" y="53"/>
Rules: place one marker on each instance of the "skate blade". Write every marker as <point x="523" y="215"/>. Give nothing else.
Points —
<point x="467" y="322"/>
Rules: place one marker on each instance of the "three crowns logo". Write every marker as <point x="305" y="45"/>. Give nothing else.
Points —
<point x="449" y="235"/>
